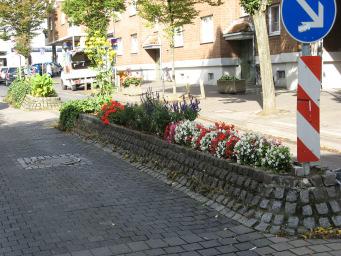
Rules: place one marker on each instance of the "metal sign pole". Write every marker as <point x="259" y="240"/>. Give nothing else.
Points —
<point x="306" y="51"/>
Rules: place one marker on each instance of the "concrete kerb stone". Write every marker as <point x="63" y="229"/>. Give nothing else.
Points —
<point x="266" y="202"/>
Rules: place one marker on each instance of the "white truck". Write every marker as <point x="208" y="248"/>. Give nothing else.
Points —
<point x="77" y="73"/>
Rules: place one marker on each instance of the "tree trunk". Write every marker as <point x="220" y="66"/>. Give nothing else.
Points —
<point x="173" y="69"/>
<point x="268" y="88"/>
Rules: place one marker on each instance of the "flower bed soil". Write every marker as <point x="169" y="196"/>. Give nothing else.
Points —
<point x="270" y="202"/>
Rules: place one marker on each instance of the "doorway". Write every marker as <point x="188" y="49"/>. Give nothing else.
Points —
<point x="247" y="62"/>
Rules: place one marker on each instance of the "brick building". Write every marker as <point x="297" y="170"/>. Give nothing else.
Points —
<point x="220" y="41"/>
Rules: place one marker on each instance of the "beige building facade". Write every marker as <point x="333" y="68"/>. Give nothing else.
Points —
<point x="220" y="41"/>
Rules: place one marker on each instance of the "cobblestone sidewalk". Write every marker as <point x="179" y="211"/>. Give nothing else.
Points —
<point x="62" y="196"/>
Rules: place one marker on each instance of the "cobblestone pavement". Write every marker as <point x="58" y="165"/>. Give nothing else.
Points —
<point x="62" y="196"/>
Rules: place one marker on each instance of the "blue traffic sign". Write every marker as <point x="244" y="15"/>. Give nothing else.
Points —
<point x="308" y="21"/>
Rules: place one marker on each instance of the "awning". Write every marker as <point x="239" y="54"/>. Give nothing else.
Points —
<point x="152" y="42"/>
<point x="240" y="29"/>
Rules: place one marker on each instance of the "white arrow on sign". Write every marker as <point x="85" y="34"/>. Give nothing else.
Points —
<point x="317" y="19"/>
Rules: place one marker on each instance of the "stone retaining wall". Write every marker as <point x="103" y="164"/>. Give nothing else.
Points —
<point x="41" y="103"/>
<point x="270" y="202"/>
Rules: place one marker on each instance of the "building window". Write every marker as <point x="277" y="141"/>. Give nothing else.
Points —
<point x="50" y="25"/>
<point x="134" y="43"/>
<point x="274" y="20"/>
<point x="178" y="37"/>
<point x="119" y="46"/>
<point x="132" y="8"/>
<point x="243" y="13"/>
<point x="207" y="32"/>
<point x="210" y="76"/>
<point x="280" y="74"/>
<point x="62" y="18"/>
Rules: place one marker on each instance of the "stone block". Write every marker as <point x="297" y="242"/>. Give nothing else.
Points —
<point x="304" y="196"/>
<point x="330" y="179"/>
<point x="337" y="220"/>
<point x="322" y="208"/>
<point x="293" y="222"/>
<point x="335" y="206"/>
<point x="290" y="208"/>
<point x="324" y="222"/>
<point x="307" y="210"/>
<point x="279" y="219"/>
<point x="264" y="203"/>
<point x="309" y="223"/>
<point x="319" y="194"/>
<point x="291" y="196"/>
<point x="266" y="218"/>
<point x="331" y="191"/>
<point x="316" y="181"/>
<point x="279" y="193"/>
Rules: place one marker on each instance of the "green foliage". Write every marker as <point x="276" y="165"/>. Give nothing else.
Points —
<point x="42" y="86"/>
<point x="152" y="115"/>
<point x="70" y="111"/>
<point x="104" y="83"/>
<point x="252" y="6"/>
<point x="228" y="78"/>
<point x="21" y="19"/>
<point x="18" y="91"/>
<point x="93" y="14"/>
<point x="136" y="81"/>
<point x="99" y="51"/>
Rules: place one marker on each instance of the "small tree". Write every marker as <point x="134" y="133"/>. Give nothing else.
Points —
<point x="172" y="14"/>
<point x="257" y="9"/>
<point x="93" y="14"/>
<point x="21" y="19"/>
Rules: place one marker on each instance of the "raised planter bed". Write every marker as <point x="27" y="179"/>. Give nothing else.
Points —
<point x="41" y="103"/>
<point x="132" y="90"/>
<point x="231" y="86"/>
<point x="269" y="202"/>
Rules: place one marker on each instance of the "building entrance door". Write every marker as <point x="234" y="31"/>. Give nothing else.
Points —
<point x="247" y="62"/>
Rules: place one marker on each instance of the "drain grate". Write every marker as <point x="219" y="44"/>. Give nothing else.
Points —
<point x="40" y="162"/>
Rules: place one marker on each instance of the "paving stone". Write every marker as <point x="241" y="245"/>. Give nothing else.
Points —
<point x="281" y="246"/>
<point x="276" y="206"/>
<point x="337" y="220"/>
<point x="319" y="248"/>
<point x="301" y="251"/>
<point x="279" y="193"/>
<point x="266" y="218"/>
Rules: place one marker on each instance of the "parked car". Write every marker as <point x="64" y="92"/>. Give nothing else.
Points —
<point x="41" y="68"/>
<point x="12" y="74"/>
<point x="3" y="71"/>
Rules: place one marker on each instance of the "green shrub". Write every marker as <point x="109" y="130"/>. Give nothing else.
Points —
<point x="42" y="86"/>
<point x="70" y="111"/>
<point x="228" y="78"/>
<point x="18" y="91"/>
<point x="136" y="81"/>
<point x="152" y="115"/>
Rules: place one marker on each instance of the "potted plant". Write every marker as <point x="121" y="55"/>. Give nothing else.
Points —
<point x="132" y="85"/>
<point x="231" y="84"/>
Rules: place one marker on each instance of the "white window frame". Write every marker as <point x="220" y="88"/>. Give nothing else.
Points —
<point x="178" y="37"/>
<point x="204" y="39"/>
<point x="62" y="18"/>
<point x="270" y="10"/>
<point x="132" y="8"/>
<point x="243" y="13"/>
<point x="119" y="50"/>
<point x="134" y="46"/>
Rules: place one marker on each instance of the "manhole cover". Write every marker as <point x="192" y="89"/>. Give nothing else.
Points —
<point x="52" y="161"/>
